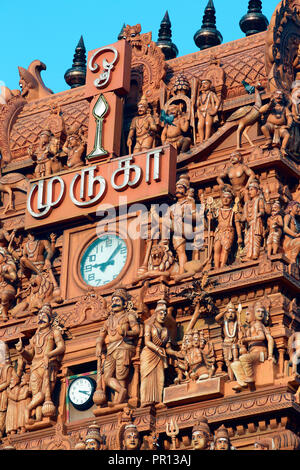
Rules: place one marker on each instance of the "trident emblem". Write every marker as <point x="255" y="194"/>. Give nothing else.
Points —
<point x="172" y="431"/>
<point x="99" y="111"/>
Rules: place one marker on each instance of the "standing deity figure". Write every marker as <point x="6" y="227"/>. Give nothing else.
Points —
<point x="279" y="120"/>
<point x="8" y="275"/>
<point x="179" y="219"/>
<point x="154" y="356"/>
<point x="201" y="435"/>
<point x="93" y="440"/>
<point x="43" y="154"/>
<point x="239" y="175"/>
<point x="120" y="332"/>
<point x="131" y="438"/>
<point x="228" y="225"/>
<point x="230" y="336"/>
<point x="221" y="439"/>
<point x="143" y="127"/>
<point x="44" y="353"/>
<point x="23" y="401"/>
<point x="182" y="363"/>
<point x="74" y="148"/>
<point x="7" y="371"/>
<point x="208" y="105"/>
<point x="37" y="254"/>
<point x="275" y="228"/>
<point x="176" y="128"/>
<point x="11" y="422"/>
<point x="257" y="345"/>
<point x="291" y="228"/>
<point x="254" y="210"/>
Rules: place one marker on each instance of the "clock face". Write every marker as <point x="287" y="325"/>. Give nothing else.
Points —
<point x="81" y="392"/>
<point x="103" y="260"/>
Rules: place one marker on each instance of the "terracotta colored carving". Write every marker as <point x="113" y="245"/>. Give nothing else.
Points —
<point x="254" y="210"/>
<point x="229" y="320"/>
<point x="10" y="183"/>
<point x="278" y="122"/>
<point x="161" y="263"/>
<point x="46" y="149"/>
<point x="23" y="401"/>
<point x="11" y="422"/>
<point x="247" y="116"/>
<point x="143" y="127"/>
<point x="275" y="228"/>
<point x="239" y="175"/>
<point x="37" y="254"/>
<point x="6" y="373"/>
<point x="221" y="439"/>
<point x="228" y="225"/>
<point x="74" y="147"/>
<point x="200" y="357"/>
<point x="93" y="440"/>
<point x="175" y="129"/>
<point x="131" y="438"/>
<point x="201" y="435"/>
<point x="154" y="356"/>
<point x="8" y="275"/>
<point x="208" y="104"/>
<point x="120" y="332"/>
<point x="31" y="83"/>
<point x="259" y="343"/>
<point x="291" y="241"/>
<point x="44" y="353"/>
<point x="266" y="443"/>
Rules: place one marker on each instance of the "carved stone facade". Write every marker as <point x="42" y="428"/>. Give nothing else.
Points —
<point x="181" y="337"/>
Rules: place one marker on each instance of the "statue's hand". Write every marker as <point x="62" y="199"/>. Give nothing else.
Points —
<point x="46" y="361"/>
<point x="123" y="329"/>
<point x="47" y="264"/>
<point x="52" y="237"/>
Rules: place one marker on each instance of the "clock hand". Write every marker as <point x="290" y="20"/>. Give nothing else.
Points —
<point x="104" y="265"/>
<point x="84" y="391"/>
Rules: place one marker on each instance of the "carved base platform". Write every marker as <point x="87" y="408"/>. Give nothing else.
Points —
<point x="194" y="391"/>
<point x="45" y="423"/>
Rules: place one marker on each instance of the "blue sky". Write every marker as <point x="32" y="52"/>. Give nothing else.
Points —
<point x="50" y="31"/>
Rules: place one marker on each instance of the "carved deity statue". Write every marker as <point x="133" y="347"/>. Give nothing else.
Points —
<point x="174" y="132"/>
<point x="23" y="400"/>
<point x="275" y="229"/>
<point x="120" y="332"/>
<point x="254" y="210"/>
<point x="278" y="122"/>
<point x="180" y="216"/>
<point x="93" y="440"/>
<point x="7" y="371"/>
<point x="154" y="356"/>
<point x="208" y="104"/>
<point x="74" y="147"/>
<point x="200" y="357"/>
<point x="257" y="343"/>
<point x="239" y="175"/>
<point x="291" y="241"/>
<point x="201" y="435"/>
<point x="159" y="261"/>
<point x="228" y="319"/>
<point x="46" y="149"/>
<point x="143" y="127"/>
<point x="44" y="354"/>
<point x="221" y="439"/>
<point x="37" y="254"/>
<point x="11" y="422"/>
<point x="131" y="438"/>
<point x="8" y="275"/>
<point x="227" y="226"/>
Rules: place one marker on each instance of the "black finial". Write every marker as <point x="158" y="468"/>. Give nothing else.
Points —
<point x="208" y="35"/>
<point x="164" y="40"/>
<point x="120" y="35"/>
<point x="254" y="21"/>
<point x="75" y="76"/>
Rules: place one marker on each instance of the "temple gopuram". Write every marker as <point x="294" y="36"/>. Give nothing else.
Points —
<point x="149" y="244"/>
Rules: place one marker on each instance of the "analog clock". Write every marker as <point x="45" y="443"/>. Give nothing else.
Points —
<point x="81" y="392"/>
<point x="103" y="260"/>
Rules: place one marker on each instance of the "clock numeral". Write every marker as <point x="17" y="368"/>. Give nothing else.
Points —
<point x="98" y="282"/>
<point x="91" y="277"/>
<point x="123" y="250"/>
<point x="88" y="267"/>
<point x="92" y="258"/>
<point x="108" y="242"/>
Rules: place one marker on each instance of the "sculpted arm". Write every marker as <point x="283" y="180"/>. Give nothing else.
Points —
<point x="60" y="345"/>
<point x="287" y="230"/>
<point x="150" y="344"/>
<point x="100" y="341"/>
<point x="5" y="384"/>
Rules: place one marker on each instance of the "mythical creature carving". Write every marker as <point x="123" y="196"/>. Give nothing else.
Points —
<point x="31" y="83"/>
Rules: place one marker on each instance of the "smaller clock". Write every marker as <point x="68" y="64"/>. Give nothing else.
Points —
<point x="81" y="392"/>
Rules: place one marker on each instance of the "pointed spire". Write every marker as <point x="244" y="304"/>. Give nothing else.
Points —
<point x="120" y="35"/>
<point x="254" y="21"/>
<point x="164" y="40"/>
<point x="208" y="35"/>
<point x="75" y="76"/>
